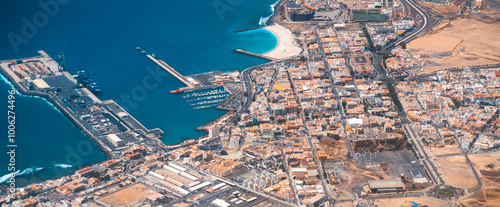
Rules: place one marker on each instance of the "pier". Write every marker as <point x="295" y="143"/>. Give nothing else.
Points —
<point x="172" y="71"/>
<point x="256" y="55"/>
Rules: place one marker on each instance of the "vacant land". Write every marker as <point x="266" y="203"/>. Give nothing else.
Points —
<point x="471" y="42"/>
<point x="446" y="149"/>
<point x="337" y="149"/>
<point x="128" y="196"/>
<point x="354" y="177"/>
<point x="440" y="8"/>
<point x="488" y="166"/>
<point x="456" y="172"/>
<point x="346" y="204"/>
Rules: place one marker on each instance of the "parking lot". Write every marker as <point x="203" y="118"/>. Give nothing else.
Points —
<point x="398" y="163"/>
<point x="237" y="200"/>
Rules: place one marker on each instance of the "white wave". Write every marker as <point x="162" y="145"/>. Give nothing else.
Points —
<point x="30" y="170"/>
<point x="7" y="177"/>
<point x="26" y="171"/>
<point x="7" y="82"/>
<point x="63" y="165"/>
<point x="264" y="20"/>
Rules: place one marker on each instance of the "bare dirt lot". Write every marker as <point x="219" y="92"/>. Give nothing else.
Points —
<point x="439" y="8"/>
<point x="456" y="172"/>
<point x="353" y="177"/>
<point x="488" y="166"/>
<point x="128" y="196"/>
<point x="336" y="148"/>
<point x="346" y="204"/>
<point x="471" y="42"/>
<point x="447" y="149"/>
<point x="422" y="201"/>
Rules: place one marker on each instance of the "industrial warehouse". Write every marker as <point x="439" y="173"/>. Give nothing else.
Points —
<point x="185" y="186"/>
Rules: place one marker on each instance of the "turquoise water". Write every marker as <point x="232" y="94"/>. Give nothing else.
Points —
<point x="101" y="37"/>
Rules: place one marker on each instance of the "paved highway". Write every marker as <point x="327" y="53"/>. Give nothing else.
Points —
<point x="424" y="15"/>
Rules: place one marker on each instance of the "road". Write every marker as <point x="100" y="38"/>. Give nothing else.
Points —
<point x="423" y="156"/>
<point x="341" y="112"/>
<point x="289" y="176"/>
<point x="428" y="21"/>
<point x="334" y="88"/>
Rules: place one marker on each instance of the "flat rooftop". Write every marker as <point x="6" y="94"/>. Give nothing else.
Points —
<point x="381" y="184"/>
<point x="178" y="178"/>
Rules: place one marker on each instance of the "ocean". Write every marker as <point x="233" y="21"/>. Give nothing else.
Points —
<point x="193" y="36"/>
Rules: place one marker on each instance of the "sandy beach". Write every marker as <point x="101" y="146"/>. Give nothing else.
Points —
<point x="285" y="47"/>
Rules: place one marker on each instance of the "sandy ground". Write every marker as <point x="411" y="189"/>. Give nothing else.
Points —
<point x="338" y="149"/>
<point x="128" y="195"/>
<point x="447" y="149"/>
<point x="407" y="201"/>
<point x="352" y="177"/>
<point x="481" y="161"/>
<point x="440" y="8"/>
<point x="285" y="47"/>
<point x="472" y="43"/>
<point x="489" y="195"/>
<point x="345" y="204"/>
<point x="456" y="172"/>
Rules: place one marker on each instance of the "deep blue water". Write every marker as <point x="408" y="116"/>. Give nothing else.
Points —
<point x="193" y="36"/>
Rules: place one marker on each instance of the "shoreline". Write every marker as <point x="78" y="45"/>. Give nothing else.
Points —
<point x="285" y="47"/>
<point x="75" y="122"/>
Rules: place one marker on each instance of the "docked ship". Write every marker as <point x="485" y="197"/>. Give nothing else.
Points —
<point x="176" y="91"/>
<point x="83" y="80"/>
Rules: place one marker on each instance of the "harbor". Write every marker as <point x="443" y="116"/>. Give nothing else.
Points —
<point x="107" y="124"/>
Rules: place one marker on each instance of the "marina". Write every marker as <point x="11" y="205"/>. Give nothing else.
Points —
<point x="203" y="90"/>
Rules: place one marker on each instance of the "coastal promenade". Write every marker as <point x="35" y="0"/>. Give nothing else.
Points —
<point x="107" y="124"/>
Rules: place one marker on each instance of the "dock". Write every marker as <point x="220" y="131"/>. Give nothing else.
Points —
<point x="172" y="71"/>
<point x="256" y="55"/>
<point x="106" y="123"/>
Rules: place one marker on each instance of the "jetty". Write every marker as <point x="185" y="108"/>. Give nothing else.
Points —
<point x="172" y="71"/>
<point x="247" y="29"/>
<point x="256" y="55"/>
